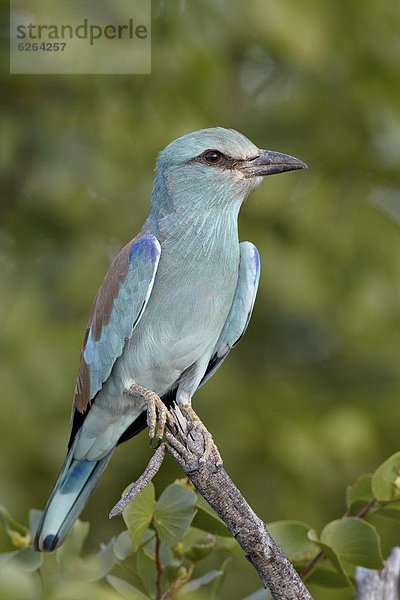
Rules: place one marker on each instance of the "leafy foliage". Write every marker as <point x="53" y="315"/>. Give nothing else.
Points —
<point x="173" y="514"/>
<point x="167" y="542"/>
<point x="159" y="553"/>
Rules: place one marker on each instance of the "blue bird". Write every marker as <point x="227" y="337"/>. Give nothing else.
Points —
<point x="174" y="302"/>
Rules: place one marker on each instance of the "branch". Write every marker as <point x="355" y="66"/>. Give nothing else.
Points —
<point x="150" y="471"/>
<point x="190" y="444"/>
<point x="380" y="585"/>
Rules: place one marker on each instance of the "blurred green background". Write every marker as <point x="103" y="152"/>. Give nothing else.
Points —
<point x="310" y="398"/>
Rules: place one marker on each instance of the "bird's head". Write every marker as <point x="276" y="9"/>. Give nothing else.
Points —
<point x="216" y="166"/>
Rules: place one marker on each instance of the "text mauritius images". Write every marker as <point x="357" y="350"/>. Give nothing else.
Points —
<point x="84" y="31"/>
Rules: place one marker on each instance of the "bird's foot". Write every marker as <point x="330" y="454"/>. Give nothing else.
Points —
<point x="156" y="412"/>
<point x="209" y="444"/>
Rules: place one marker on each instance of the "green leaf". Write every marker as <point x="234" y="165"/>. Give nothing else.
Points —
<point x="196" y="544"/>
<point x="134" y="575"/>
<point x="174" y="513"/>
<point x="94" y="567"/>
<point x="173" y="573"/>
<point x="198" y="551"/>
<point x="125" y="588"/>
<point x="218" y="583"/>
<point x="390" y="510"/>
<point x="139" y="513"/>
<point x="91" y="568"/>
<point x="146" y="567"/>
<point x="16" y="584"/>
<point x="6" y="556"/>
<point x="359" y="494"/>
<point x="325" y="575"/>
<point x="149" y="540"/>
<point x="166" y="555"/>
<point x="71" y="549"/>
<point x="354" y="541"/>
<point x="386" y="479"/>
<point x="196" y="584"/>
<point x="28" y="559"/>
<point x="123" y="545"/>
<point x="207" y="520"/>
<point x="341" y="578"/>
<point x="292" y="537"/>
<point x="98" y="565"/>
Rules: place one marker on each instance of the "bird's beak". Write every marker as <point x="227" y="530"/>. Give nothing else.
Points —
<point x="269" y="163"/>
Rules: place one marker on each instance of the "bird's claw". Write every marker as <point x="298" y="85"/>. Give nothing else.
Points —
<point x="156" y="413"/>
<point x="209" y="444"/>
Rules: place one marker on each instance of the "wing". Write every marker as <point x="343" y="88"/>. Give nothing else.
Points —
<point x="116" y="311"/>
<point x="241" y="309"/>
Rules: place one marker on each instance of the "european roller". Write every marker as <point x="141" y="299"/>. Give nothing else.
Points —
<point x="174" y="302"/>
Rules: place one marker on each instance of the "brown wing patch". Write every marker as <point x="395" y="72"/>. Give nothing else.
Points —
<point x="103" y="303"/>
<point x="100" y="315"/>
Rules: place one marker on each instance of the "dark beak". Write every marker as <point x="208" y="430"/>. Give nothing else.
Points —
<point x="269" y="163"/>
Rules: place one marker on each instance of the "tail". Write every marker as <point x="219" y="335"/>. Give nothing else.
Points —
<point x="68" y="498"/>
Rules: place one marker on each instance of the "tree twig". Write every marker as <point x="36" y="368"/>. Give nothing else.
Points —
<point x="148" y="474"/>
<point x="310" y="566"/>
<point x="380" y="585"/>
<point x="188" y="442"/>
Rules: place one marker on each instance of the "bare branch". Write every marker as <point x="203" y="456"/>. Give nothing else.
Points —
<point x="187" y="444"/>
<point x="148" y="474"/>
<point x="380" y="585"/>
<point x="191" y="445"/>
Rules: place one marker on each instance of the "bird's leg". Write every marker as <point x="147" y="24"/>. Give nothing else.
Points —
<point x="209" y="444"/>
<point x="156" y="411"/>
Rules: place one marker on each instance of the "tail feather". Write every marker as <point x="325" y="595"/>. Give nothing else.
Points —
<point x="68" y="498"/>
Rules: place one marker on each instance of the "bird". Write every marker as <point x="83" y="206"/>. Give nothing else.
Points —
<point x="174" y="302"/>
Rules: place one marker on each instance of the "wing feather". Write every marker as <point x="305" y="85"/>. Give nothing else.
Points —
<point x="241" y="309"/>
<point x="116" y="310"/>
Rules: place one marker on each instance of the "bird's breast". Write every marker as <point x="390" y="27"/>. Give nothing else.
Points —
<point x="187" y="309"/>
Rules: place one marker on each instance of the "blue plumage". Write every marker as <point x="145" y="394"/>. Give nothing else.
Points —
<point x="174" y="302"/>
<point x="132" y="295"/>
<point x="69" y="496"/>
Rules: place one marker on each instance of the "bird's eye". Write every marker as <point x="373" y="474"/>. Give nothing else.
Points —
<point x="213" y="156"/>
